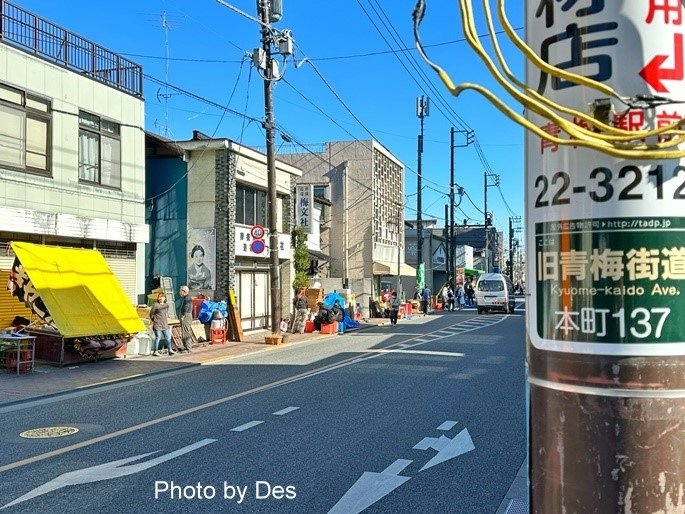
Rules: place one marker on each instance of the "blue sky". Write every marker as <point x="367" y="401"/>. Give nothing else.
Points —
<point x="355" y="45"/>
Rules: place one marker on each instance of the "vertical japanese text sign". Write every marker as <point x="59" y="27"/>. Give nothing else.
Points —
<point x="304" y="199"/>
<point x="607" y="267"/>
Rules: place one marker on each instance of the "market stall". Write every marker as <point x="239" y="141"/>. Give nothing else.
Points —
<point x="83" y="312"/>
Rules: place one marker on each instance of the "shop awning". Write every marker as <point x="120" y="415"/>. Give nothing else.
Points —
<point x="79" y="290"/>
<point x="390" y="268"/>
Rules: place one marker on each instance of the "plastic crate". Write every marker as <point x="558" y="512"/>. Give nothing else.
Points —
<point x="329" y="328"/>
<point x="218" y="336"/>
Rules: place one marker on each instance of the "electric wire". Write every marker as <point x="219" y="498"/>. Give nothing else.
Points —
<point x="216" y="129"/>
<point x="579" y="136"/>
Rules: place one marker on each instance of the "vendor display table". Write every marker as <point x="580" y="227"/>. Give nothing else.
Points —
<point x="17" y="352"/>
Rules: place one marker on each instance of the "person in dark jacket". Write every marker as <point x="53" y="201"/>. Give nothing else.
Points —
<point x="185" y="313"/>
<point x="301" y="310"/>
<point x="323" y="316"/>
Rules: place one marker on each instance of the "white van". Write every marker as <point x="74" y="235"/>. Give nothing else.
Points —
<point x="494" y="292"/>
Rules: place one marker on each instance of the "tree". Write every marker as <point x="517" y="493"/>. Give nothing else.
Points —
<point x="300" y="258"/>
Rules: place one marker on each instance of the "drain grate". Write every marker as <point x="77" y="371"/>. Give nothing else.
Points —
<point x="48" y="432"/>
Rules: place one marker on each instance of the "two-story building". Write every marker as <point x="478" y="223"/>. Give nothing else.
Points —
<point x="72" y="165"/>
<point x="207" y="201"/>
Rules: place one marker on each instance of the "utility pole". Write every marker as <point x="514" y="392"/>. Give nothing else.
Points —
<point x="511" y="249"/>
<point x="422" y="110"/>
<point x="272" y="197"/>
<point x="447" y="245"/>
<point x="485" y="221"/>
<point x="470" y="137"/>
<point x="450" y="235"/>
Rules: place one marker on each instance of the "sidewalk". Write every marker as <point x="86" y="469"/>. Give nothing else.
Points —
<point x="48" y="379"/>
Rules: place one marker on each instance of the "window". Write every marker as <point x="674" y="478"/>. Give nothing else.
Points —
<point x="99" y="151"/>
<point x="320" y="191"/>
<point x="250" y="205"/>
<point x="24" y="130"/>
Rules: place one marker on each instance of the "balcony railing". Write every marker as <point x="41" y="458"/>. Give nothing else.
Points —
<point x="31" y="33"/>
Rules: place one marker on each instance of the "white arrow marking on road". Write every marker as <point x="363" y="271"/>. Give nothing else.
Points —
<point x="447" y="448"/>
<point x="447" y="425"/>
<point x="106" y="471"/>
<point x="371" y="487"/>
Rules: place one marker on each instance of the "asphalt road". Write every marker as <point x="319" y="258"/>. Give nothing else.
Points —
<point x="427" y="416"/>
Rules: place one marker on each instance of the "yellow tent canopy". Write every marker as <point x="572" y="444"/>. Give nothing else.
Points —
<point x="79" y="290"/>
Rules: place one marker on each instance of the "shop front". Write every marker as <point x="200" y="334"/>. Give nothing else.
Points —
<point x="80" y="310"/>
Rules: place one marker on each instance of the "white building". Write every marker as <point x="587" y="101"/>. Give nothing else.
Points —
<point x="71" y="146"/>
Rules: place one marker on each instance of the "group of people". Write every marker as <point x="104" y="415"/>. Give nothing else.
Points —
<point x="323" y="315"/>
<point x="159" y="315"/>
<point x="457" y="298"/>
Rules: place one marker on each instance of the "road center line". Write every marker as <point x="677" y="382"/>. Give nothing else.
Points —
<point x="246" y="426"/>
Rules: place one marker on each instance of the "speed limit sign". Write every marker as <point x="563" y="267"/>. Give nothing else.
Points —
<point x="257" y="232"/>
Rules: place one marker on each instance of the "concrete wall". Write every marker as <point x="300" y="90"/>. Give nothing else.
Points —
<point x="61" y="192"/>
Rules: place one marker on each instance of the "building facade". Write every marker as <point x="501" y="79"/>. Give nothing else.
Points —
<point x="365" y="184"/>
<point x="207" y="204"/>
<point x="71" y="146"/>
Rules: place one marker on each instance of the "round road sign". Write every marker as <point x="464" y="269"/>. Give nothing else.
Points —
<point x="257" y="246"/>
<point x="257" y="232"/>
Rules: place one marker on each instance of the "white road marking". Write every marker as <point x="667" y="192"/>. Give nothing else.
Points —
<point x="447" y="425"/>
<point x="106" y="471"/>
<point x="282" y="412"/>
<point x="447" y="448"/>
<point x="246" y="426"/>
<point x="370" y="488"/>
<point x="220" y="401"/>
<point x="421" y="352"/>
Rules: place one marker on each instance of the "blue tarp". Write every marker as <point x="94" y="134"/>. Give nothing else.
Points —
<point x="208" y="307"/>
<point x="329" y="301"/>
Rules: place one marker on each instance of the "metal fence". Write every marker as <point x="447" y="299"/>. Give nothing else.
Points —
<point x="29" y="32"/>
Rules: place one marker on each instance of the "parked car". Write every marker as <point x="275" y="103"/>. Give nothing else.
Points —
<point x="494" y="292"/>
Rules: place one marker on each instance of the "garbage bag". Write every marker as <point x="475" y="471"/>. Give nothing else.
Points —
<point x="207" y="310"/>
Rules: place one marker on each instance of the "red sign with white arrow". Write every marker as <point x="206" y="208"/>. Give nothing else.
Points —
<point x="654" y="74"/>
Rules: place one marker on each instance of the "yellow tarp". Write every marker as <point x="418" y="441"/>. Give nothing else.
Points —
<point x="79" y="290"/>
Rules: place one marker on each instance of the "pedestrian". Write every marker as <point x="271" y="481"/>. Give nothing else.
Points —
<point x="470" y="293"/>
<point x="461" y="297"/>
<point x="301" y="311"/>
<point x="450" y="298"/>
<point x="322" y="316"/>
<point x="425" y="299"/>
<point x="445" y="297"/>
<point x="159" y="314"/>
<point x="185" y="313"/>
<point x="394" y="308"/>
<point x="337" y="314"/>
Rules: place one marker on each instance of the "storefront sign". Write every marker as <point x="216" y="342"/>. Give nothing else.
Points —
<point x="304" y="198"/>
<point x="608" y="271"/>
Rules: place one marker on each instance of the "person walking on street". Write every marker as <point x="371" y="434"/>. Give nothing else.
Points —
<point x="159" y="314"/>
<point x="185" y="313"/>
<point x="450" y="298"/>
<point x="425" y="300"/>
<point x="394" y="307"/>
<point x="301" y="311"/>
<point x="461" y="300"/>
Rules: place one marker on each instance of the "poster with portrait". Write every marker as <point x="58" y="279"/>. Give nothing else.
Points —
<point x="201" y="259"/>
